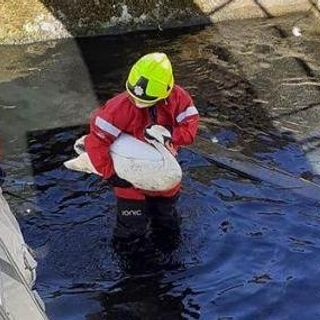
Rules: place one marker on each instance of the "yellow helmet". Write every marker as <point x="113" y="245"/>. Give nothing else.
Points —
<point x="151" y="78"/>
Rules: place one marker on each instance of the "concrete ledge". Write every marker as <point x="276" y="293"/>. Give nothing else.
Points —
<point x="27" y="21"/>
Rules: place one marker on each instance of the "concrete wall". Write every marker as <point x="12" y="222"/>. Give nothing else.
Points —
<point x="37" y="20"/>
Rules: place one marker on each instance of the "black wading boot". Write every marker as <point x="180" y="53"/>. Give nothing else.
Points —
<point x="165" y="222"/>
<point x="131" y="241"/>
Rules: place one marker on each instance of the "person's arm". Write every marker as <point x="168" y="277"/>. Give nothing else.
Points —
<point x="97" y="143"/>
<point x="187" y="122"/>
<point x="103" y="132"/>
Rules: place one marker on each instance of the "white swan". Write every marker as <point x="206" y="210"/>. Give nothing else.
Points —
<point x="148" y="166"/>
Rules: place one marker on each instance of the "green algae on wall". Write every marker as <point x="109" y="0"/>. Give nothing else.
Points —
<point x="38" y="20"/>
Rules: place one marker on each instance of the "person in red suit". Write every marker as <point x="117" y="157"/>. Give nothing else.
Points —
<point x="151" y="97"/>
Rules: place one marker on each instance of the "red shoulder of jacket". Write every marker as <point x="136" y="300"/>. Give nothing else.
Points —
<point x="116" y="110"/>
<point x="119" y="101"/>
<point x="180" y="99"/>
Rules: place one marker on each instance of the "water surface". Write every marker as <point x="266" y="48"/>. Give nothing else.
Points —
<point x="247" y="249"/>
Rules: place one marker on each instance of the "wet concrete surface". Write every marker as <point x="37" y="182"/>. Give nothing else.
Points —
<point x="247" y="249"/>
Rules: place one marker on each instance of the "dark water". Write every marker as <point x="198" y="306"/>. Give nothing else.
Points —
<point x="247" y="250"/>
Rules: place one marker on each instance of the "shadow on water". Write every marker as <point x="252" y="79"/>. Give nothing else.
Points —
<point x="243" y="245"/>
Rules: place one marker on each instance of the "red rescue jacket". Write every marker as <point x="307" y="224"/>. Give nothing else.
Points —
<point x="120" y="114"/>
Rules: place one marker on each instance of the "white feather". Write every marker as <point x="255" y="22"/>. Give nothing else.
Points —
<point x="296" y="31"/>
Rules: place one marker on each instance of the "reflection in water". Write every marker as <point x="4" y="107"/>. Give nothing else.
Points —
<point x="140" y="298"/>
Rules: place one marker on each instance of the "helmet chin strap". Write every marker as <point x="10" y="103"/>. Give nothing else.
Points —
<point x="142" y="106"/>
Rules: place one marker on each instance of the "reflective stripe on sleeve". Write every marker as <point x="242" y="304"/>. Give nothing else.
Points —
<point x="107" y="127"/>
<point x="190" y="111"/>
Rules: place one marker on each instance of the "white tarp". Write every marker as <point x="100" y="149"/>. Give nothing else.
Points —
<point x="17" y="271"/>
<point x="11" y="236"/>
